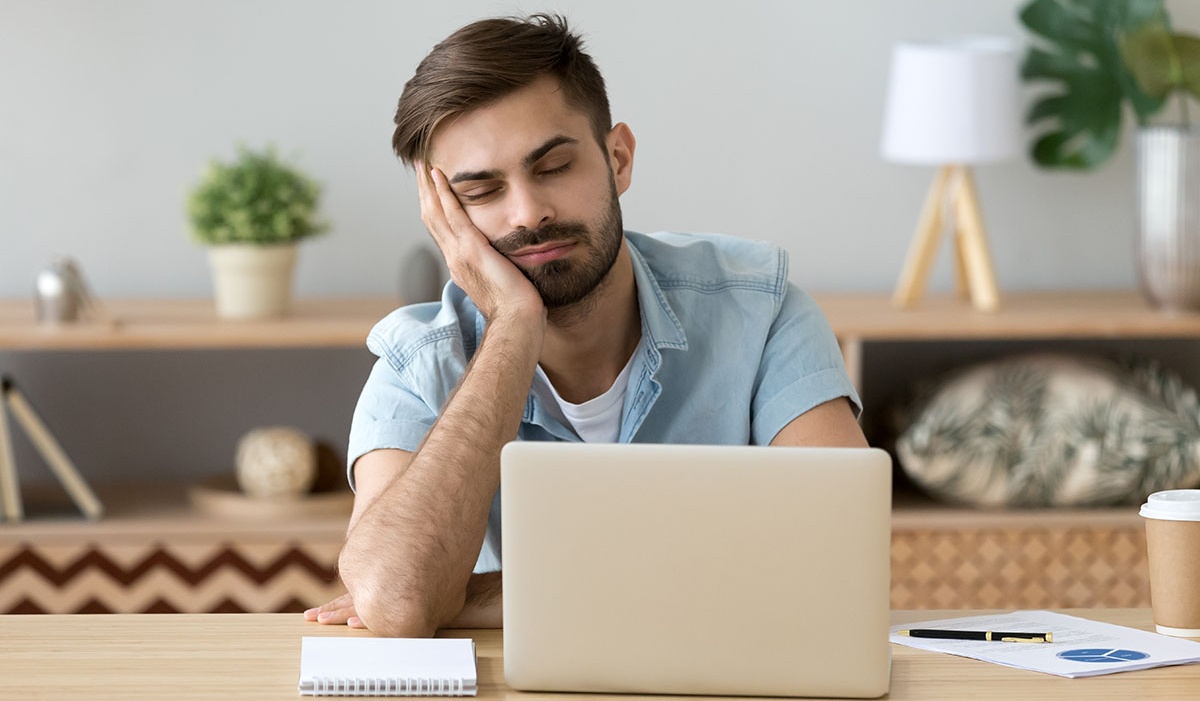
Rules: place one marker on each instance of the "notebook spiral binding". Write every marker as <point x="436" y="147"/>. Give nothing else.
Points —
<point x="345" y="686"/>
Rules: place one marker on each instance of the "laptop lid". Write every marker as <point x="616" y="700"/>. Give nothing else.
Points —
<point x="731" y="570"/>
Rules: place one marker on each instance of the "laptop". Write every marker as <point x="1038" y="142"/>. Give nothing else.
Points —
<point x="728" y="570"/>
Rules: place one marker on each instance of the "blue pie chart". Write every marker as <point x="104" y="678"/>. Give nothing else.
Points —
<point x="1102" y="655"/>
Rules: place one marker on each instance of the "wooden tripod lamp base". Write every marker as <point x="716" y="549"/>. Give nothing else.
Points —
<point x="952" y="196"/>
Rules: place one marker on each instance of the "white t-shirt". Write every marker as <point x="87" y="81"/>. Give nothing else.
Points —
<point x="597" y="420"/>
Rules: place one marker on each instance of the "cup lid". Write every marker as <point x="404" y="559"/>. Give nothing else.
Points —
<point x="1173" y="505"/>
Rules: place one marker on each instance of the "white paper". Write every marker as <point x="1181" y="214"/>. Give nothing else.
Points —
<point x="1081" y="648"/>
<point x="424" y="666"/>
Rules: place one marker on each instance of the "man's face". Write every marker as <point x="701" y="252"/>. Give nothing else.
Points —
<point x="530" y="175"/>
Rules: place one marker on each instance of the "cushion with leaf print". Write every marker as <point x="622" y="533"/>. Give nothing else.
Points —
<point x="1052" y="430"/>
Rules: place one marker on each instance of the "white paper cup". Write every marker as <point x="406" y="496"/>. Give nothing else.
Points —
<point x="1173" y="549"/>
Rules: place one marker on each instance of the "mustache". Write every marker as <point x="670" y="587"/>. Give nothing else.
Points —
<point x="516" y="240"/>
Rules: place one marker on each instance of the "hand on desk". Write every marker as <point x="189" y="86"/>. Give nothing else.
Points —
<point x="483" y="609"/>
<point x="340" y="611"/>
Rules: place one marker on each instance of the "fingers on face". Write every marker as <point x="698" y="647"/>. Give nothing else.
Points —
<point x="431" y="206"/>
<point x="440" y="210"/>
<point x="451" y="208"/>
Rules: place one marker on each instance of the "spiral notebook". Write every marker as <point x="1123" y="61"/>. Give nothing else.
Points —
<point x="339" y="666"/>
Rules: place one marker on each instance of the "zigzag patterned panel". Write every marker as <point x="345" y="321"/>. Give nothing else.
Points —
<point x="222" y="577"/>
<point x="1020" y="568"/>
<point x="931" y="568"/>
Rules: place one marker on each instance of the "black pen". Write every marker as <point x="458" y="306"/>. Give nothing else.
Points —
<point x="989" y="635"/>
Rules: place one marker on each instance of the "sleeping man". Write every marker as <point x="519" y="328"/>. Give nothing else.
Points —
<point x="558" y="325"/>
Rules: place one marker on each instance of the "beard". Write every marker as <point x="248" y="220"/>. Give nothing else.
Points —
<point x="566" y="282"/>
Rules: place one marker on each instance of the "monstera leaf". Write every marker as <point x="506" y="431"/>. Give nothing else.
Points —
<point x="1081" y="55"/>
<point x="1163" y="62"/>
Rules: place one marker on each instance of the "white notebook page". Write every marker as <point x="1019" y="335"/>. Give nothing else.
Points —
<point x="438" y="666"/>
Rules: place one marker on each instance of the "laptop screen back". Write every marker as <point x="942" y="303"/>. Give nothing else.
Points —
<point x="696" y="569"/>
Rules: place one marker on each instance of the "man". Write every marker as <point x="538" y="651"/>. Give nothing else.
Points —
<point x="558" y="326"/>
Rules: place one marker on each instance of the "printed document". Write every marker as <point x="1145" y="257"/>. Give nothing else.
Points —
<point x="1081" y="648"/>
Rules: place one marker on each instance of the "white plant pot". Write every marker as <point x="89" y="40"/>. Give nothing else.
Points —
<point x="252" y="281"/>
<point x="1169" y="204"/>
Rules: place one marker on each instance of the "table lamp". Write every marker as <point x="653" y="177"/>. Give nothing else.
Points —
<point x="952" y="104"/>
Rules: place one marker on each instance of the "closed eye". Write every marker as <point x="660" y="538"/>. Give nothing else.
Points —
<point x="555" y="171"/>
<point x="477" y="196"/>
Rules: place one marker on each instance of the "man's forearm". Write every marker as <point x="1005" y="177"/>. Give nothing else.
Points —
<point x="408" y="559"/>
<point x="484" y="606"/>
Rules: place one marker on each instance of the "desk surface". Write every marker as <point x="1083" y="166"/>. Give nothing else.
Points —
<point x="257" y="656"/>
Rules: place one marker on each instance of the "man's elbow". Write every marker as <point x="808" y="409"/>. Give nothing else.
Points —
<point x="395" y="618"/>
<point x="389" y="607"/>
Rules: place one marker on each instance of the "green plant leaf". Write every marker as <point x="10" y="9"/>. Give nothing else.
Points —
<point x="1066" y="23"/>
<point x="1153" y="60"/>
<point x="1163" y="62"/>
<point x="257" y="198"/>
<point x="1080" y="55"/>
<point x="1188" y="46"/>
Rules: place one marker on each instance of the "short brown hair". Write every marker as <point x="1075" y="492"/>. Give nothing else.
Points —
<point x="487" y="60"/>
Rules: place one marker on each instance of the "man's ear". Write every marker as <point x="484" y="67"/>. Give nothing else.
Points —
<point x="620" y="145"/>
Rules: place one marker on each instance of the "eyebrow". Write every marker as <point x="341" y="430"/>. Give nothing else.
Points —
<point x="533" y="157"/>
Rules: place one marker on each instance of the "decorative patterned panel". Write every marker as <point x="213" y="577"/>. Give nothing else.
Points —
<point x="1020" y="568"/>
<point x="221" y="577"/>
<point x="931" y="568"/>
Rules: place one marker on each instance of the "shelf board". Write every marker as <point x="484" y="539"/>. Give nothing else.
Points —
<point x="193" y="324"/>
<point x="144" y="512"/>
<point x="344" y="322"/>
<point x="1022" y="315"/>
<point x="915" y="512"/>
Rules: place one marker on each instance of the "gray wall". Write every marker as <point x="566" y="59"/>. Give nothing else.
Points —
<point x="755" y="118"/>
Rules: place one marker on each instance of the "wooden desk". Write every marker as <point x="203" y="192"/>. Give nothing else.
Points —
<point x="126" y="657"/>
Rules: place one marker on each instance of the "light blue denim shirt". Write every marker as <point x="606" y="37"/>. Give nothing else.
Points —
<point x="730" y="354"/>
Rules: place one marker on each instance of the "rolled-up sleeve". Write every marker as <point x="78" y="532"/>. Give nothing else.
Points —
<point x="801" y="368"/>
<point x="422" y="356"/>
<point x="389" y="414"/>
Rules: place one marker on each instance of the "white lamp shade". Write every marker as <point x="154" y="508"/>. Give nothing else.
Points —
<point x="952" y="102"/>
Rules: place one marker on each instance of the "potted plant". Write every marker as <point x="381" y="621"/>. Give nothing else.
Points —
<point x="1101" y="55"/>
<point x="251" y="212"/>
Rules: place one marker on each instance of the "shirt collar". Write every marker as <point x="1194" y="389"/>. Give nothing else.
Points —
<point x="660" y="329"/>
<point x="660" y="326"/>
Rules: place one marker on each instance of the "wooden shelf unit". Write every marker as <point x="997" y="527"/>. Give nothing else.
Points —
<point x="152" y="553"/>
<point x="951" y="557"/>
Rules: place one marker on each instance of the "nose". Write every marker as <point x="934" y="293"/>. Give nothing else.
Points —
<point x="529" y="207"/>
